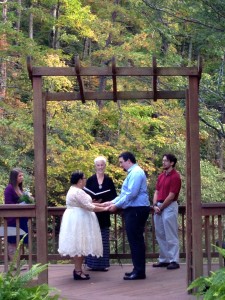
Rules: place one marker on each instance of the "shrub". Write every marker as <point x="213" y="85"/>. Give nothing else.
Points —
<point x="18" y="286"/>
<point x="212" y="287"/>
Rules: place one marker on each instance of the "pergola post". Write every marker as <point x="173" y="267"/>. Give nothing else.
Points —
<point x="193" y="181"/>
<point x="40" y="174"/>
<point x="188" y="196"/>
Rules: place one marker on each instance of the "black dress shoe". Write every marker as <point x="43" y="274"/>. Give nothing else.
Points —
<point x="134" y="276"/>
<point x="161" y="265"/>
<point x="173" y="265"/>
<point x="129" y="273"/>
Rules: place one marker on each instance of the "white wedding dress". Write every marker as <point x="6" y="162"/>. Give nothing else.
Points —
<point x="79" y="231"/>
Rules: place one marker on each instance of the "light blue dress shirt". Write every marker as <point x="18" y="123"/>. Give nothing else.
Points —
<point x="134" y="190"/>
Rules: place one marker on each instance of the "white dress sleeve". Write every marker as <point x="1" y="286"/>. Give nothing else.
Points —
<point x="84" y="200"/>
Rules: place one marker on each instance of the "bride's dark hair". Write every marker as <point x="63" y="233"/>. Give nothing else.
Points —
<point x="76" y="176"/>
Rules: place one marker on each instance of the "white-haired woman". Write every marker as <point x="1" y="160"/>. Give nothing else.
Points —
<point x="99" y="183"/>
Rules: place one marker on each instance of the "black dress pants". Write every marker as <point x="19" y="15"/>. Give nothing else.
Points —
<point x="135" y="219"/>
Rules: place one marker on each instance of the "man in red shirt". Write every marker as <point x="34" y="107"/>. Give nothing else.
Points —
<point x="166" y="213"/>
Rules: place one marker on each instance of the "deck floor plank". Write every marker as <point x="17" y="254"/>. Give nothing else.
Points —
<point x="160" y="284"/>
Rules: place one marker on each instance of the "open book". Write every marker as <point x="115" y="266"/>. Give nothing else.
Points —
<point x="93" y="194"/>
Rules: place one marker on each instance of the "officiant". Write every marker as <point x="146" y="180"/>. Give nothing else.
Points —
<point x="103" y="184"/>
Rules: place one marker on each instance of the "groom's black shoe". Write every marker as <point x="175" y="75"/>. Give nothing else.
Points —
<point x="134" y="276"/>
<point x="128" y="273"/>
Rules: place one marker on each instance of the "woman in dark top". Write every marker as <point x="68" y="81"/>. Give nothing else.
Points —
<point x="12" y="193"/>
<point x="99" y="183"/>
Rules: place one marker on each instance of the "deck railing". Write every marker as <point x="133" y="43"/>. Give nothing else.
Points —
<point x="213" y="224"/>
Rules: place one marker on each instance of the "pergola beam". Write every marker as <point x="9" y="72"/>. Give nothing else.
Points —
<point x="120" y="71"/>
<point x="129" y="95"/>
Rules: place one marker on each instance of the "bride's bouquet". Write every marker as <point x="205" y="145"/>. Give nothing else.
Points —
<point x="26" y="197"/>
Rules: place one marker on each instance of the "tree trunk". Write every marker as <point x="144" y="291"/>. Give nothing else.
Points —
<point x="103" y="79"/>
<point x="55" y="29"/>
<point x="221" y="141"/>
<point x="31" y="25"/>
<point x="18" y="13"/>
<point x="3" y="46"/>
<point x="190" y="52"/>
<point x="87" y="48"/>
<point x="219" y="152"/>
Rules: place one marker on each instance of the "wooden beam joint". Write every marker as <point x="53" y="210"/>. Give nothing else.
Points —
<point x="114" y="79"/>
<point x="79" y="78"/>
<point x="154" y="78"/>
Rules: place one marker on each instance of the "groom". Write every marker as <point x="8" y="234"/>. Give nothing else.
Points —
<point x="134" y="202"/>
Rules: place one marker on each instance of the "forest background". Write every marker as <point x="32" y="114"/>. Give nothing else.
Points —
<point x="52" y="32"/>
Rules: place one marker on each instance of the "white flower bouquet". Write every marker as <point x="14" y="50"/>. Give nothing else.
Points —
<point x="26" y="197"/>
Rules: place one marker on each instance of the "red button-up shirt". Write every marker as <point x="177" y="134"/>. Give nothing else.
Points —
<point x="168" y="183"/>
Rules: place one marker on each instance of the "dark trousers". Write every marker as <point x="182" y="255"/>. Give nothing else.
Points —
<point x="135" y="220"/>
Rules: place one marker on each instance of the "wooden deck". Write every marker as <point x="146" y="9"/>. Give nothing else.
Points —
<point x="160" y="284"/>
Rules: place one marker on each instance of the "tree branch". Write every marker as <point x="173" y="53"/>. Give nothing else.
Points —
<point x="173" y="14"/>
<point x="220" y="133"/>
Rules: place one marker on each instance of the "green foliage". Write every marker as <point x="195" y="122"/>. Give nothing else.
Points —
<point x="211" y="287"/>
<point x="175" y="31"/>
<point x="75" y="17"/>
<point x="212" y="181"/>
<point x="18" y="286"/>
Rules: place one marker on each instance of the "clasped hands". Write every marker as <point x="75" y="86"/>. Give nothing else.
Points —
<point x="157" y="210"/>
<point x="110" y="206"/>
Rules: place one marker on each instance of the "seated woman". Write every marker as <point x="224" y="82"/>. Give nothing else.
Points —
<point x="12" y="194"/>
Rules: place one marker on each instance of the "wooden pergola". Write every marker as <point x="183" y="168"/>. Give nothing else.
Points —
<point x="194" y="256"/>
